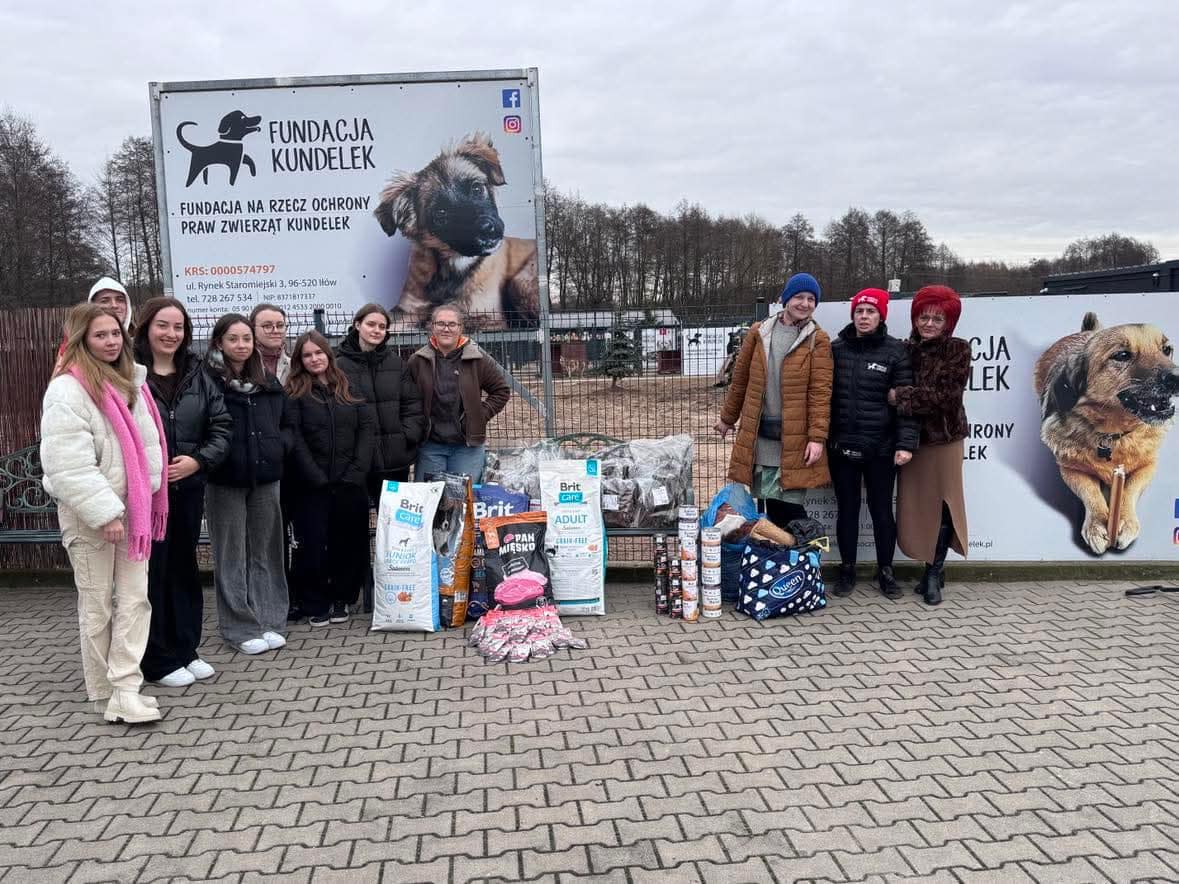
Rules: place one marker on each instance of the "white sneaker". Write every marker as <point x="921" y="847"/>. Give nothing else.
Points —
<point x="128" y="707"/>
<point x="254" y="646"/>
<point x="200" y="669"/>
<point x="273" y="640"/>
<point x="180" y="678"/>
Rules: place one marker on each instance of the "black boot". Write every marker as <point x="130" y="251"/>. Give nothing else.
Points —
<point x="935" y="574"/>
<point x="847" y="580"/>
<point x="888" y="583"/>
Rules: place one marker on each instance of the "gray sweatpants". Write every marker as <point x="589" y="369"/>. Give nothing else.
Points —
<point x="245" y="529"/>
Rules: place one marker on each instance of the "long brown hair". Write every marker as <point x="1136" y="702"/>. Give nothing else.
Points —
<point x="143" y="320"/>
<point x="96" y="373"/>
<point x="253" y="370"/>
<point x="300" y="381"/>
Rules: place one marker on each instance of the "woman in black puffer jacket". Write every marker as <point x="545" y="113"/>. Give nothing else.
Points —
<point x="377" y="375"/>
<point x="197" y="428"/>
<point x="868" y="440"/>
<point x="244" y="515"/>
<point x="332" y="440"/>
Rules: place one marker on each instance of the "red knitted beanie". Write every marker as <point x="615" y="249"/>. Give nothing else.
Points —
<point x="878" y="298"/>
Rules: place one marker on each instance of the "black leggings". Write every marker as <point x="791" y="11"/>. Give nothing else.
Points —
<point x="878" y="475"/>
<point x="331" y="557"/>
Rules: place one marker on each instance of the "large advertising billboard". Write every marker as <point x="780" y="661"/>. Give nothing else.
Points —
<point x="406" y="190"/>
<point x="1063" y="391"/>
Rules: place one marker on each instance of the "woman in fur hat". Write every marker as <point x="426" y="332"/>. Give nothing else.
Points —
<point x="931" y="506"/>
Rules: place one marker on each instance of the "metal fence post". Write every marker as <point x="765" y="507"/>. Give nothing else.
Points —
<point x="318" y="320"/>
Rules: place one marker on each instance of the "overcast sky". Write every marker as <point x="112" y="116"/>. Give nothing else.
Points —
<point x="1009" y="128"/>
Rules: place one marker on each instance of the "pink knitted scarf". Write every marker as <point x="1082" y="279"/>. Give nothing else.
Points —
<point x="147" y="513"/>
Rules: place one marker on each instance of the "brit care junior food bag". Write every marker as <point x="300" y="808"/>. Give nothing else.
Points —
<point x="571" y="495"/>
<point x="405" y="568"/>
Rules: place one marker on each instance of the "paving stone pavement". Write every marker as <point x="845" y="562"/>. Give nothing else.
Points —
<point x="1020" y="732"/>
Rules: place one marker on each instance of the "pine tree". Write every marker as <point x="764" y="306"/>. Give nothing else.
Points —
<point x="621" y="359"/>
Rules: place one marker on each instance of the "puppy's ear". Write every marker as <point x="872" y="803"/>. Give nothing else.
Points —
<point x="1068" y="385"/>
<point x="477" y="148"/>
<point x="397" y="208"/>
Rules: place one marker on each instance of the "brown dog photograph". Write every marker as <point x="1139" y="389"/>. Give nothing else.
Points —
<point x="459" y="253"/>
<point x="1106" y="404"/>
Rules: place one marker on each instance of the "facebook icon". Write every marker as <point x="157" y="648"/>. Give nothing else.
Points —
<point x="511" y="97"/>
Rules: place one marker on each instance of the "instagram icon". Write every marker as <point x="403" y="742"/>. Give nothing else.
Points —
<point x="513" y="124"/>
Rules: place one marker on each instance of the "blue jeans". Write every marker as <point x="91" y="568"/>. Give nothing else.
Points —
<point x="435" y="458"/>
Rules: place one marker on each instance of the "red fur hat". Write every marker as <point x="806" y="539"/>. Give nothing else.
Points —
<point x="878" y="298"/>
<point x="939" y="297"/>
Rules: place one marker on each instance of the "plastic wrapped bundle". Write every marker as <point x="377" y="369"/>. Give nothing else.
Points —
<point x="518" y="469"/>
<point x="663" y="473"/>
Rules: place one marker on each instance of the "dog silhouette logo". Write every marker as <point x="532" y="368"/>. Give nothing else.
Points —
<point x="227" y="150"/>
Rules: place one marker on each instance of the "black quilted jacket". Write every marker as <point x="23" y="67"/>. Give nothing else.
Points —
<point x="865" y="370"/>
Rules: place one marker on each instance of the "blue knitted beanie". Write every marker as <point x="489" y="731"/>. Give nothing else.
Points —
<point x="801" y="282"/>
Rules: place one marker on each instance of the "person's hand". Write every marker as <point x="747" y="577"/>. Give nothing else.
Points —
<point x="902" y="457"/>
<point x="181" y="467"/>
<point x="721" y="427"/>
<point x="112" y="531"/>
<point x="814" y="450"/>
<point x="892" y="397"/>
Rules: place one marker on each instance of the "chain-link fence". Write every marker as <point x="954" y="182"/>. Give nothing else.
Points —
<point x="641" y="373"/>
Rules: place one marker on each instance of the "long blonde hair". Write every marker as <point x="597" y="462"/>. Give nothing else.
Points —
<point x="96" y="373"/>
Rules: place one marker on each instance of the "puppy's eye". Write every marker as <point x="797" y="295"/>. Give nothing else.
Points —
<point x="478" y="190"/>
<point x="1122" y="356"/>
<point x="1168" y="350"/>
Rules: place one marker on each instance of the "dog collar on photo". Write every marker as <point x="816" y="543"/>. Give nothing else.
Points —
<point x="1105" y="444"/>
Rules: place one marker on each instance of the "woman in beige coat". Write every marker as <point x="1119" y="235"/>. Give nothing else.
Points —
<point x="780" y="404"/>
<point x="103" y="463"/>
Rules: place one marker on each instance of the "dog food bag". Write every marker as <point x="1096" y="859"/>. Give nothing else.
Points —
<point x="496" y="500"/>
<point x="514" y="544"/>
<point x="405" y="569"/>
<point x="571" y="494"/>
<point x="454" y="541"/>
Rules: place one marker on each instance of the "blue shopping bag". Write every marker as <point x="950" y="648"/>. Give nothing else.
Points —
<point x="777" y="582"/>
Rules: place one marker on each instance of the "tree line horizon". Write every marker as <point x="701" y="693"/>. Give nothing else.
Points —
<point x="57" y="234"/>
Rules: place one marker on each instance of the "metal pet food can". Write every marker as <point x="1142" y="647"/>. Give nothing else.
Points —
<point x="690" y="589"/>
<point x="710" y="546"/>
<point x="688" y="549"/>
<point x="710" y="601"/>
<point x="688" y="513"/>
<point x="710" y="575"/>
<point x="691" y="610"/>
<point x="688" y="570"/>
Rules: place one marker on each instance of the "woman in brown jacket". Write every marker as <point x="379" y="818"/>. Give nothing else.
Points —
<point x="462" y="389"/>
<point x="931" y="506"/>
<point x="781" y="397"/>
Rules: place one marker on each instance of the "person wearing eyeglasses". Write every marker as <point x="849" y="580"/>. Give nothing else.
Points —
<point x="270" y="337"/>
<point x="462" y="389"/>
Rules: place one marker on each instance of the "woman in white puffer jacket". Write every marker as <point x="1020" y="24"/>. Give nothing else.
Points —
<point x="103" y="460"/>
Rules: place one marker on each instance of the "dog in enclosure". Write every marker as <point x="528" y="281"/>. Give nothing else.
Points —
<point x="1105" y="401"/>
<point x="459" y="252"/>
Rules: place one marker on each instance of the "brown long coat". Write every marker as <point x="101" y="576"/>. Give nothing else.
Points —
<point x="806" y="404"/>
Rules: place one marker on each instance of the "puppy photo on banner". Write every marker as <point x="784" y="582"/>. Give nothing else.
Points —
<point x="459" y="252"/>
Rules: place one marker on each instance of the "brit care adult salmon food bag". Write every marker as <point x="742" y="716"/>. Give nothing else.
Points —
<point x="405" y="568"/>
<point x="571" y="495"/>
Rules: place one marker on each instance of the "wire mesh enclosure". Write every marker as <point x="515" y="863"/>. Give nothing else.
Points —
<point x="635" y="374"/>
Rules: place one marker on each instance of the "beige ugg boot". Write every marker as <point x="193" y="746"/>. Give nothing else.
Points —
<point x="128" y="707"/>
<point x="99" y="706"/>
